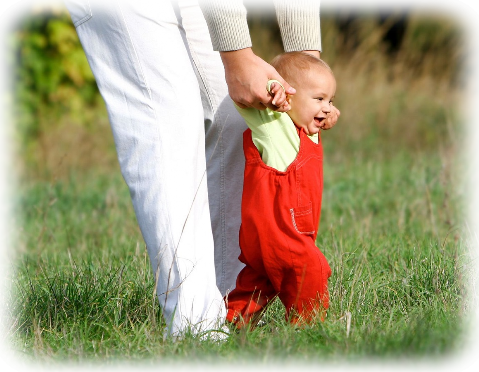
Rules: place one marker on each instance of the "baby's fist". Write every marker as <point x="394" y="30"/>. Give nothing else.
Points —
<point x="331" y="119"/>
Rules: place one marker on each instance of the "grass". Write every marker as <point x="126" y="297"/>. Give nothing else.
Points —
<point x="83" y="289"/>
<point x="76" y="292"/>
<point x="392" y="228"/>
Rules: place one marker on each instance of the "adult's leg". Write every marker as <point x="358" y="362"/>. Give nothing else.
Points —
<point x="153" y="100"/>
<point x="224" y="145"/>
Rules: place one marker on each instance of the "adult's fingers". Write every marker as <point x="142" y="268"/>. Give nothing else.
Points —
<point x="279" y="98"/>
<point x="285" y="107"/>
<point x="287" y="88"/>
<point x="277" y="92"/>
<point x="279" y="103"/>
<point x="246" y="75"/>
<point x="240" y="105"/>
<point x="273" y="86"/>
<point x="255" y="104"/>
<point x="244" y="102"/>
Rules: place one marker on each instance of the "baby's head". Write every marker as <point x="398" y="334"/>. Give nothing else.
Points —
<point x="315" y="88"/>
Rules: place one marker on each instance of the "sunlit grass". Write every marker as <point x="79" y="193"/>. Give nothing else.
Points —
<point x="83" y="286"/>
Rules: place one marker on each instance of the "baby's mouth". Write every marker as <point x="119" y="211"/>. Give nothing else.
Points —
<point x="319" y="121"/>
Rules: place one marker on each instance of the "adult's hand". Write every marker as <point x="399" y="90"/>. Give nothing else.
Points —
<point x="247" y="76"/>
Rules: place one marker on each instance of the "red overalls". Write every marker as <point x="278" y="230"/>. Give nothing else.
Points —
<point x="280" y="217"/>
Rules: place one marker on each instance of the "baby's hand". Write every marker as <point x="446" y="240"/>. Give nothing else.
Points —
<point x="331" y="119"/>
<point x="280" y="99"/>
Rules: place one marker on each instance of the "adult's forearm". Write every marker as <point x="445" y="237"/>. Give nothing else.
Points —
<point x="227" y="24"/>
<point x="299" y="24"/>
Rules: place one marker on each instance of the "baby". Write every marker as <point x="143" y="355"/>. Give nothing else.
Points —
<point x="283" y="183"/>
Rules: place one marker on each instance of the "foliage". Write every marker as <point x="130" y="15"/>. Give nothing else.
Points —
<point x="51" y="76"/>
<point x="433" y="36"/>
<point x="54" y="89"/>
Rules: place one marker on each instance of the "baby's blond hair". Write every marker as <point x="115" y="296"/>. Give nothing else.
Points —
<point x="292" y="65"/>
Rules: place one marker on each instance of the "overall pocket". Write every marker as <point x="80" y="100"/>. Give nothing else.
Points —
<point x="80" y="11"/>
<point x="302" y="218"/>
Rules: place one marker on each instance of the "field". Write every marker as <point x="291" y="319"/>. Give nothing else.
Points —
<point x="393" y="227"/>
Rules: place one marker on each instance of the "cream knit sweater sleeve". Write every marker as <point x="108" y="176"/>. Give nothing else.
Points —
<point x="298" y="21"/>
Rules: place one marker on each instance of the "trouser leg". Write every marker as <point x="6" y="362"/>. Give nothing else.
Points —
<point x="280" y="258"/>
<point x="300" y="283"/>
<point x="250" y="297"/>
<point x="224" y="151"/>
<point x="305" y="293"/>
<point x="146" y="78"/>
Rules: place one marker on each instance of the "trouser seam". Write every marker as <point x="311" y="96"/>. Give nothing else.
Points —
<point x="174" y="263"/>
<point x="219" y="146"/>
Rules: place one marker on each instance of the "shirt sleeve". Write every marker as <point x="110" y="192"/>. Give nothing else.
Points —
<point x="299" y="23"/>
<point x="227" y="24"/>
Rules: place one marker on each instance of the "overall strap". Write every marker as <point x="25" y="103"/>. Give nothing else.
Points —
<point x="307" y="142"/>
<point x="307" y="147"/>
<point x="251" y="153"/>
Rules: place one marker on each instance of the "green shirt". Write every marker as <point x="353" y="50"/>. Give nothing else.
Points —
<point x="274" y="135"/>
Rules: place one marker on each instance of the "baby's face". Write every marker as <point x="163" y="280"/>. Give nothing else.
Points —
<point x="313" y="99"/>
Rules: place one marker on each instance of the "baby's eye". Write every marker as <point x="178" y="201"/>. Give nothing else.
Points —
<point x="319" y="98"/>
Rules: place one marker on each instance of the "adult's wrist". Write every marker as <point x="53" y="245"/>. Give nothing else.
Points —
<point x="315" y="53"/>
<point x="233" y="57"/>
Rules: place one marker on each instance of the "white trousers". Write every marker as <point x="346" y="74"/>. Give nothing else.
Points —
<point x="179" y="144"/>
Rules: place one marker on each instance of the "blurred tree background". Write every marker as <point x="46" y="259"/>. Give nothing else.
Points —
<point x="43" y="70"/>
<point x="393" y="69"/>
